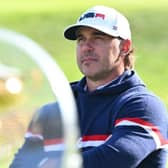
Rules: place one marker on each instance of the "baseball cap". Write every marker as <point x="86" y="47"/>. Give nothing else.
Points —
<point x="104" y="19"/>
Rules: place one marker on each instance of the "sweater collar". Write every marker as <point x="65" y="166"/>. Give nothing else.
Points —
<point x="128" y="79"/>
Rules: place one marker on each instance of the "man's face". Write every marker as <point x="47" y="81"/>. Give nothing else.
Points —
<point x="98" y="54"/>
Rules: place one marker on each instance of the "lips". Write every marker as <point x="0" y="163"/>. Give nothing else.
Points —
<point x="88" y="60"/>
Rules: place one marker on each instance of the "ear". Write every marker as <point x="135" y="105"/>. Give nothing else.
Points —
<point x="125" y="46"/>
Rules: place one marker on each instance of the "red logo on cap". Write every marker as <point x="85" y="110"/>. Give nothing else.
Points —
<point x="100" y="15"/>
<point x="92" y="15"/>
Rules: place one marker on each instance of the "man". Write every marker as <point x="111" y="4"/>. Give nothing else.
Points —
<point x="43" y="146"/>
<point x="123" y="125"/>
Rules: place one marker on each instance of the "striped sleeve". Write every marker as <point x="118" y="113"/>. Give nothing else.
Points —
<point x="151" y="129"/>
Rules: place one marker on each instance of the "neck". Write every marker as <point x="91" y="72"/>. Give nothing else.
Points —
<point x="93" y="84"/>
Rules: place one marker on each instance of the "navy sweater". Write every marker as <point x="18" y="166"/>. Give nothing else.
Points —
<point x="123" y="125"/>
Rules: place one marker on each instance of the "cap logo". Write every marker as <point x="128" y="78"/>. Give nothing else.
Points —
<point x="115" y="27"/>
<point x="92" y="15"/>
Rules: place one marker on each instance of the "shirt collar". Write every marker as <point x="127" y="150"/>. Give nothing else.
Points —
<point x="128" y="72"/>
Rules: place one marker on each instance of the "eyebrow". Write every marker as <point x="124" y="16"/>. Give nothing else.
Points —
<point x="99" y="33"/>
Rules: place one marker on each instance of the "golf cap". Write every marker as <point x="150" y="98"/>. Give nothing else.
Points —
<point x="104" y="19"/>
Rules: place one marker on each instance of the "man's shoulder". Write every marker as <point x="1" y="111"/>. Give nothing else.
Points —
<point x="47" y="113"/>
<point x="73" y="83"/>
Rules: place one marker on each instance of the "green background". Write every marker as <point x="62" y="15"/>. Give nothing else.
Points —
<point x="45" y="20"/>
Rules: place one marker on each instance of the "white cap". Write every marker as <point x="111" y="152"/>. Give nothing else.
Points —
<point x="104" y="19"/>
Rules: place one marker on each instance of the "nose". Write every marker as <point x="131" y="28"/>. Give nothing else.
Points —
<point x="87" y="45"/>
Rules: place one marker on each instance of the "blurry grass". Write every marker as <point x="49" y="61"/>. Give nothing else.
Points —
<point x="45" y="20"/>
<point x="47" y="29"/>
<point x="36" y="89"/>
<point x="13" y="126"/>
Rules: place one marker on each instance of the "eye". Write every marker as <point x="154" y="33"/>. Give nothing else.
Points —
<point x="99" y="37"/>
<point x="80" y="39"/>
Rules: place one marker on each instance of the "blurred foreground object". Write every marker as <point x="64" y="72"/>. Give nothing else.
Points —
<point x="62" y="92"/>
<point x="44" y="140"/>
<point x="10" y="80"/>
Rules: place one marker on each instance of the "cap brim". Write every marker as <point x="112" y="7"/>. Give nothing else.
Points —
<point x="70" y="32"/>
